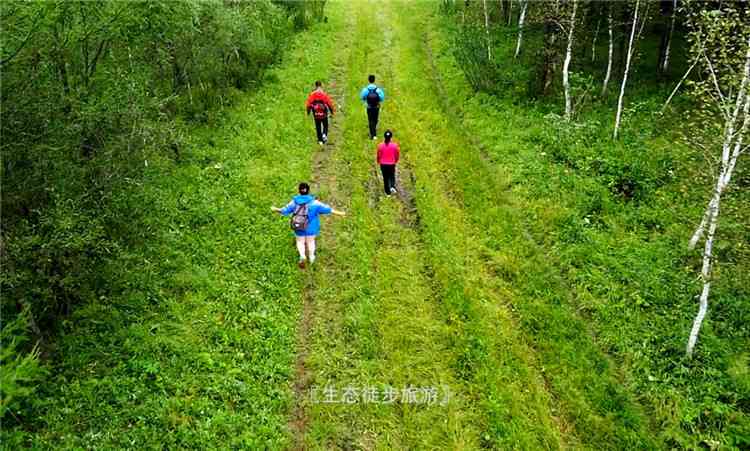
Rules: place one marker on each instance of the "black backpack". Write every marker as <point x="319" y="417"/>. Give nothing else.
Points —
<point x="299" y="219"/>
<point x="373" y="99"/>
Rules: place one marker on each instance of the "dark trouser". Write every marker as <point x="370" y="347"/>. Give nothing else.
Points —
<point x="321" y="128"/>
<point x="389" y="176"/>
<point x="372" y="119"/>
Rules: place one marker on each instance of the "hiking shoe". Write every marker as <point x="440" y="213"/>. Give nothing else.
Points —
<point x="393" y="190"/>
<point x="374" y="138"/>
<point x="320" y="143"/>
<point x="301" y="264"/>
<point x="325" y="138"/>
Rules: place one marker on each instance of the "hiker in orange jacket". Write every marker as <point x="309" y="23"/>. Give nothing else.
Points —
<point x="320" y="105"/>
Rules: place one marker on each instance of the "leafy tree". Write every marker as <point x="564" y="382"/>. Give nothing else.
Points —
<point x="720" y="39"/>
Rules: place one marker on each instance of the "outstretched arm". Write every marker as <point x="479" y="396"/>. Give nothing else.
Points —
<point x="327" y="209"/>
<point x="286" y="210"/>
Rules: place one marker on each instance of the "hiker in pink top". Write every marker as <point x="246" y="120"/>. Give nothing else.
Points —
<point x="388" y="153"/>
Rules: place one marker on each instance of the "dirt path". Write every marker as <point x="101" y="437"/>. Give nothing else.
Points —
<point x="323" y="180"/>
<point x="378" y="322"/>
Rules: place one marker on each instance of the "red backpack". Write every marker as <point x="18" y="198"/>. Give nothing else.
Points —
<point x="320" y="110"/>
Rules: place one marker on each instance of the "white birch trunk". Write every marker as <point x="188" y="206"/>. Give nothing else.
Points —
<point x="593" y="41"/>
<point x="487" y="30"/>
<point x="705" y="272"/>
<point x="566" y="64"/>
<point x="520" y="27"/>
<point x="682" y="80"/>
<point x="510" y="12"/>
<point x="731" y="150"/>
<point x="665" y="64"/>
<point x="611" y="51"/>
<point x="629" y="55"/>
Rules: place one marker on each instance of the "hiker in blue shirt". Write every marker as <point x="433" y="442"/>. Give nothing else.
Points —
<point x="372" y="95"/>
<point x="305" y="221"/>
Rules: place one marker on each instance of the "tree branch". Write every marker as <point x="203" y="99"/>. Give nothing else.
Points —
<point x="716" y="82"/>
<point x="682" y="80"/>
<point x="25" y="41"/>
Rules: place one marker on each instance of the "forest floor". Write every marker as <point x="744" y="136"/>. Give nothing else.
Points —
<point x="434" y="319"/>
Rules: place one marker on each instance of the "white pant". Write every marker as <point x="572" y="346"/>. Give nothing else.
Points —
<point x="310" y="241"/>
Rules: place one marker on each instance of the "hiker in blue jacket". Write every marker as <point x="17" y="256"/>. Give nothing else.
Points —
<point x="305" y="221"/>
<point x="372" y="96"/>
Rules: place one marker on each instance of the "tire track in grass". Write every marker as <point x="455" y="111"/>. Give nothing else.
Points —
<point x="323" y="180"/>
<point x="481" y="151"/>
<point x="517" y="404"/>
<point x="406" y="289"/>
<point x="581" y="379"/>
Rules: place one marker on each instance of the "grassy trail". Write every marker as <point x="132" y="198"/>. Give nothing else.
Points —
<point x="375" y="324"/>
<point x="419" y="291"/>
<point x="407" y="304"/>
<point x="323" y="181"/>
<point x="582" y="392"/>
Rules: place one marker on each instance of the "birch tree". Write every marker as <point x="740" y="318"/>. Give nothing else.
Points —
<point x="550" y="51"/>
<point x="725" y="91"/>
<point x="593" y="41"/>
<point x="667" y="45"/>
<point x="487" y="30"/>
<point x="521" y="18"/>
<point x="610" y="50"/>
<point x="628" y="57"/>
<point x="566" y="64"/>
<point x="510" y="12"/>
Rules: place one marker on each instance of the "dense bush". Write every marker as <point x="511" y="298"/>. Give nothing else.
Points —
<point x="92" y="91"/>
<point x="630" y="172"/>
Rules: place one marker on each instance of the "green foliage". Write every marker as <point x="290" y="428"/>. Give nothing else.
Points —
<point x="499" y="75"/>
<point x="611" y="222"/>
<point x="186" y="339"/>
<point x="21" y="368"/>
<point x="304" y="13"/>
<point x="536" y="268"/>
<point x="471" y="52"/>
<point x="718" y="40"/>
<point x="98" y="99"/>
<point x="629" y="171"/>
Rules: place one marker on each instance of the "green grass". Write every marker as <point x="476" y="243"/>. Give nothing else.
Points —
<point x="593" y="410"/>
<point x="617" y="261"/>
<point x="376" y="322"/>
<point x="519" y="270"/>
<point x="195" y="347"/>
